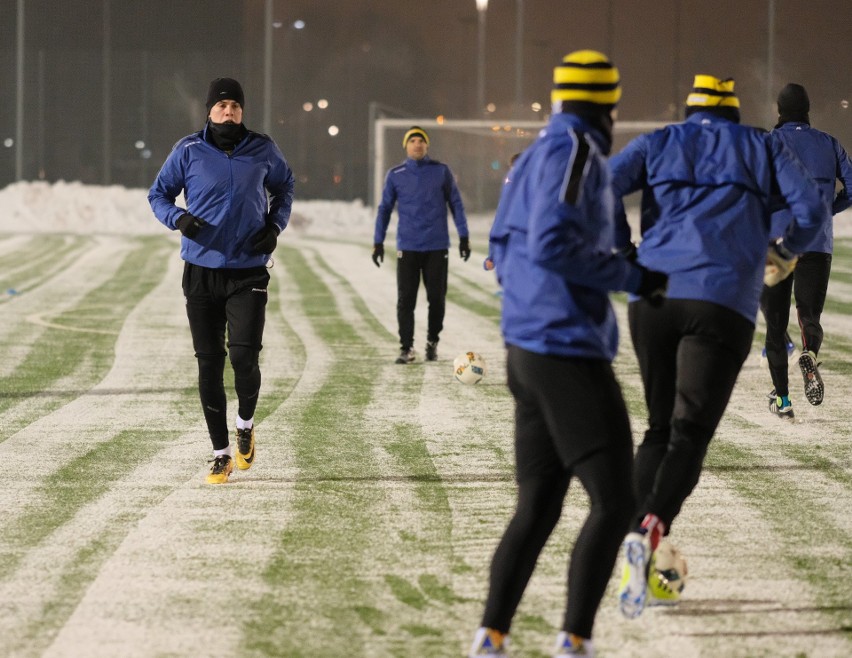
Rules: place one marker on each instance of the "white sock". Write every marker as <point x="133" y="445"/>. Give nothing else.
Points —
<point x="224" y="451"/>
<point x="244" y="424"/>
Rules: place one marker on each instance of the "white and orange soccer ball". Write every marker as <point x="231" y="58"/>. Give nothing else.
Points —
<point x="469" y="368"/>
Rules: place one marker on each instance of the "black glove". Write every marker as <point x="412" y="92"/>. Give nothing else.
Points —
<point x="378" y="254"/>
<point x="464" y="248"/>
<point x="653" y="286"/>
<point x="265" y="240"/>
<point x="189" y="225"/>
<point x="629" y="252"/>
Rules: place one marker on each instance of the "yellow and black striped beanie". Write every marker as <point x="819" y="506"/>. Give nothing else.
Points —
<point x="708" y="91"/>
<point x="415" y="131"/>
<point x="586" y="76"/>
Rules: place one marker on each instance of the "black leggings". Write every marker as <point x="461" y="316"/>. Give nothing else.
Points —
<point x="218" y="300"/>
<point x="808" y="284"/>
<point x="690" y="353"/>
<point x="570" y="421"/>
<point x="410" y="266"/>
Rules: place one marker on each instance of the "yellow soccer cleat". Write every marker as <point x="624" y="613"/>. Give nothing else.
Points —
<point x="667" y="575"/>
<point x="222" y="467"/>
<point x="245" y="448"/>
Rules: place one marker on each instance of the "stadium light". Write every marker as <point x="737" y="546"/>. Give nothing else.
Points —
<point x="481" y="8"/>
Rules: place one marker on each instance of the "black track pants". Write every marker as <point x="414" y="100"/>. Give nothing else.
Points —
<point x="808" y="284"/>
<point x="220" y="300"/>
<point x="432" y="266"/>
<point x="690" y="354"/>
<point x="570" y="420"/>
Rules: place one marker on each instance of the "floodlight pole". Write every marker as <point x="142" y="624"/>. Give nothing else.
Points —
<point x="482" y="8"/>
<point x="267" y="68"/>
<point x="770" y="61"/>
<point x="19" y="96"/>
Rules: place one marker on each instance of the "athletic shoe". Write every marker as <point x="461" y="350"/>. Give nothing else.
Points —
<point x="660" y="591"/>
<point x="814" y="389"/>
<point x="488" y="642"/>
<point x="780" y="406"/>
<point x="431" y="351"/>
<point x="406" y="356"/>
<point x="568" y="644"/>
<point x="634" y="580"/>
<point x="220" y="470"/>
<point x="245" y="448"/>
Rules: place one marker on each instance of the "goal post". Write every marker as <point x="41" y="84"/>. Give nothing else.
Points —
<point x="478" y="151"/>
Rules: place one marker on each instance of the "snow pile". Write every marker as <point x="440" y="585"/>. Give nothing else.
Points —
<point x="41" y="207"/>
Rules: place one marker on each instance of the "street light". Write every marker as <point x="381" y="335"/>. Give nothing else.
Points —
<point x="481" y="8"/>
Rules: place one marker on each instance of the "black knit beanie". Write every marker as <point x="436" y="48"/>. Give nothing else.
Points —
<point x="224" y="89"/>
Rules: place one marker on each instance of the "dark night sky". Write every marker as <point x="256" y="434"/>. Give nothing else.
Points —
<point x="418" y="56"/>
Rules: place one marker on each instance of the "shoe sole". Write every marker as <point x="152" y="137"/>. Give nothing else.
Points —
<point x="814" y="389"/>
<point x="633" y="595"/>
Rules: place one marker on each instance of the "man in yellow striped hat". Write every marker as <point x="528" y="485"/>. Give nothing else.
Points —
<point x="706" y="183"/>
<point x="552" y="247"/>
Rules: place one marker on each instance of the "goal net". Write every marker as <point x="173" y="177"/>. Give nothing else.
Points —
<point x="477" y="151"/>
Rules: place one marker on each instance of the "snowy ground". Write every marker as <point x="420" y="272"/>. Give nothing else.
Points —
<point x="367" y="525"/>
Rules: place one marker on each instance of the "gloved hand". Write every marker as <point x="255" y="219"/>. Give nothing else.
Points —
<point x="464" y="248"/>
<point x="629" y="252"/>
<point x="378" y="254"/>
<point x="266" y="239"/>
<point x="653" y="286"/>
<point x="189" y="225"/>
<point x="780" y="262"/>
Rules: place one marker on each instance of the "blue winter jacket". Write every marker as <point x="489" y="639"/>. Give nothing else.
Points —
<point x="421" y="189"/>
<point x="827" y="162"/>
<point x="229" y="192"/>
<point x="552" y="241"/>
<point x="706" y="186"/>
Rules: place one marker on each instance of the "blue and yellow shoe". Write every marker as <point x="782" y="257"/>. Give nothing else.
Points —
<point x="222" y="467"/>
<point x="245" y="448"/>
<point x="781" y="406"/>
<point x="488" y="642"/>
<point x="633" y="590"/>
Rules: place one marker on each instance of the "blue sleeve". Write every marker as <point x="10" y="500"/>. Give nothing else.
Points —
<point x="454" y="200"/>
<point x="556" y="239"/>
<point x="628" y="176"/>
<point x="280" y="184"/>
<point x="166" y="188"/>
<point x="383" y="214"/>
<point x="843" y="200"/>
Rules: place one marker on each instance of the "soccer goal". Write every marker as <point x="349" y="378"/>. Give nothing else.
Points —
<point x="477" y="151"/>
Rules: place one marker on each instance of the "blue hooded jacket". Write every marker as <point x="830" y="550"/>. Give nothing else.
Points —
<point x="552" y="241"/>
<point x="706" y="186"/>
<point x="229" y="192"/>
<point x="827" y="162"/>
<point x="421" y="189"/>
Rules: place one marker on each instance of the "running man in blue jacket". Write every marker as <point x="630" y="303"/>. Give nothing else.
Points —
<point x="552" y="243"/>
<point x="706" y="199"/>
<point x="421" y="189"/>
<point x="827" y="162"/>
<point x="238" y="192"/>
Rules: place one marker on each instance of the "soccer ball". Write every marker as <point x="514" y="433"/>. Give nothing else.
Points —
<point x="469" y="368"/>
<point x="670" y="567"/>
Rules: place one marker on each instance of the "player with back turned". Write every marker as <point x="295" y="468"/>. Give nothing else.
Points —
<point x="552" y="246"/>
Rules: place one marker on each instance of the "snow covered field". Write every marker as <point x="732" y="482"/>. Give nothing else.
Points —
<point x="368" y="522"/>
